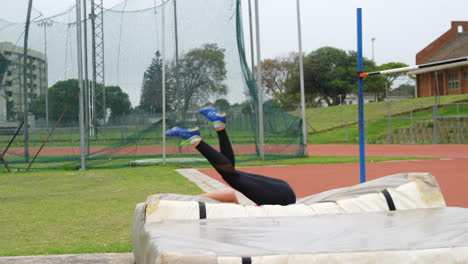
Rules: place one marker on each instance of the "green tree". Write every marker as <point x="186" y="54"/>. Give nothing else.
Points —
<point x="404" y="90"/>
<point x="222" y="105"/>
<point x="62" y="92"/>
<point x="275" y="73"/>
<point x="330" y="72"/>
<point x="393" y="65"/>
<point x="151" y="90"/>
<point x="201" y="74"/>
<point x="116" y="100"/>
<point x="197" y="78"/>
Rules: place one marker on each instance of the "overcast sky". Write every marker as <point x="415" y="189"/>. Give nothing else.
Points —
<point x="401" y="28"/>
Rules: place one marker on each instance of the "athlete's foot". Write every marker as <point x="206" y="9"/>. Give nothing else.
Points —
<point x="217" y="117"/>
<point x="191" y="135"/>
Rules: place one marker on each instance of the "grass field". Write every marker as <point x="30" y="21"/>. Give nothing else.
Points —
<point x="376" y="124"/>
<point x="378" y="129"/>
<point x="60" y="212"/>
<point x="320" y="118"/>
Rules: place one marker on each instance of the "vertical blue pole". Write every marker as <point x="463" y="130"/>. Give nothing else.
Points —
<point x="360" y="68"/>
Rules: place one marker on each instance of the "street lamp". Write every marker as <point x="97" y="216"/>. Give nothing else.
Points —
<point x="46" y="24"/>
<point x="373" y="39"/>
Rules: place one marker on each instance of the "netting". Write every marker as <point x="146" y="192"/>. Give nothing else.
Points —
<point x="205" y="63"/>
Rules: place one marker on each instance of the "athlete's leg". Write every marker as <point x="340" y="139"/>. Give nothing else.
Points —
<point x="223" y="196"/>
<point x="225" y="146"/>
<point x="258" y="188"/>
<point x="220" y="162"/>
<point x="218" y="120"/>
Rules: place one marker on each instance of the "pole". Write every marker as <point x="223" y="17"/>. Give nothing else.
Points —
<point x="389" y="137"/>
<point x="93" y="62"/>
<point x="341" y="110"/>
<point x="458" y="124"/>
<point x="163" y="23"/>
<point x="301" y="70"/>
<point x="25" y="83"/>
<point x="360" y="68"/>
<point x="259" y="87"/>
<point x="251" y="39"/>
<point x="80" y="82"/>
<point x="411" y="117"/>
<point x="46" y="24"/>
<point x="179" y="97"/>
<point x="415" y="67"/>
<point x="435" y="108"/>
<point x="104" y="108"/>
<point x="373" y="39"/>
<point x="86" y="88"/>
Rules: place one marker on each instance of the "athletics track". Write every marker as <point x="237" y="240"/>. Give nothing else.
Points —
<point x="450" y="169"/>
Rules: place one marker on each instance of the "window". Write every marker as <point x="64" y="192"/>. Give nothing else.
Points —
<point x="465" y="76"/>
<point x="460" y="29"/>
<point x="453" y="81"/>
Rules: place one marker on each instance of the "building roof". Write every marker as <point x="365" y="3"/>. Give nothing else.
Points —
<point x="456" y="48"/>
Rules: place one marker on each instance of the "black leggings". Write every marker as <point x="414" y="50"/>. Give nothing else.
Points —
<point x="258" y="188"/>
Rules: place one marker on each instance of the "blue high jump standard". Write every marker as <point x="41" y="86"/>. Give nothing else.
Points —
<point x="360" y="68"/>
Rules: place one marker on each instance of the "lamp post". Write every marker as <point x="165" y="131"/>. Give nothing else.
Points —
<point x="373" y="39"/>
<point x="46" y="24"/>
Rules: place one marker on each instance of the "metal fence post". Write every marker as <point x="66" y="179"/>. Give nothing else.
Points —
<point x="367" y="134"/>
<point x="435" y="109"/>
<point x="389" y="137"/>
<point x="411" y="118"/>
<point x="327" y="131"/>
<point x="435" y="123"/>
<point x="458" y="124"/>
<point x="347" y="135"/>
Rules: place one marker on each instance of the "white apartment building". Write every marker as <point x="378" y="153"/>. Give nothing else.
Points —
<point x="12" y="87"/>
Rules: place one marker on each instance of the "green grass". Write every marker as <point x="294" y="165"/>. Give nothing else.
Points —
<point x="319" y="118"/>
<point x="377" y="128"/>
<point x="58" y="212"/>
<point x="62" y="212"/>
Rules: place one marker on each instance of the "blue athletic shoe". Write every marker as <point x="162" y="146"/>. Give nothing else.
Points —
<point x="184" y="133"/>
<point x="218" y="118"/>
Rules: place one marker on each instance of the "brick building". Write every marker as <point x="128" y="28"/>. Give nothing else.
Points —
<point x="451" y="78"/>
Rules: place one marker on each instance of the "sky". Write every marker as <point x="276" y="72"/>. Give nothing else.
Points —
<point x="401" y="28"/>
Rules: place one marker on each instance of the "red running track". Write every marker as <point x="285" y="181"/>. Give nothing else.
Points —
<point x="451" y="171"/>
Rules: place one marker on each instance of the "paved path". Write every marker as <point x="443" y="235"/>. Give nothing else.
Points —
<point x="107" y="258"/>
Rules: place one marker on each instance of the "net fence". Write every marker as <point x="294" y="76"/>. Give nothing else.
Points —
<point x="204" y="64"/>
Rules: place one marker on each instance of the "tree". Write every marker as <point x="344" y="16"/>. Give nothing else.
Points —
<point x="62" y="92"/>
<point x="393" y="65"/>
<point x="197" y="77"/>
<point x="222" y="105"/>
<point x="404" y="90"/>
<point x="151" y="90"/>
<point x="200" y="76"/>
<point x="275" y="73"/>
<point x="330" y="72"/>
<point x="116" y="100"/>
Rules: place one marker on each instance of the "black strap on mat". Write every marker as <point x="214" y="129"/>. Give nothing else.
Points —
<point x="246" y="260"/>
<point x="388" y="197"/>
<point x="202" y="210"/>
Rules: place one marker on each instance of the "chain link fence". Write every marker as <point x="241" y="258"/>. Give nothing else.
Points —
<point x="404" y="124"/>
